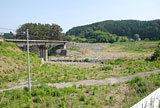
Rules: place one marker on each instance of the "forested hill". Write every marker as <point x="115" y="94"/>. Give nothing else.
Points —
<point x="146" y="29"/>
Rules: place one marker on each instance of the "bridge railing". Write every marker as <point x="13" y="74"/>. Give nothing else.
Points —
<point x="151" y="101"/>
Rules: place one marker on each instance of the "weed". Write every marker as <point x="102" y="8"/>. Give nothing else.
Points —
<point x="106" y="68"/>
<point x="86" y="60"/>
<point x="156" y="55"/>
<point x="82" y="97"/>
<point x="75" y="49"/>
<point x="111" y="100"/>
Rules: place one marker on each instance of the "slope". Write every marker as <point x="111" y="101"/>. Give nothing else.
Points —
<point x="146" y="29"/>
<point x="13" y="63"/>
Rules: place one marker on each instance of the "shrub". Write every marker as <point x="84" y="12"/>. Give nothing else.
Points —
<point x="94" y="92"/>
<point x="118" y="61"/>
<point x="86" y="60"/>
<point x="82" y="97"/>
<point x="156" y="55"/>
<point x="8" y="44"/>
<point x="140" y="84"/>
<point x="36" y="100"/>
<point x="26" y="89"/>
<point x="75" y="49"/>
<point x="105" y="68"/>
<point x="111" y="100"/>
<point x="63" y="105"/>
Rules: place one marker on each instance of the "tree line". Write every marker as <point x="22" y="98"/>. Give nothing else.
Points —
<point x="41" y="31"/>
<point x="37" y="31"/>
<point x="145" y="29"/>
<point x="91" y="36"/>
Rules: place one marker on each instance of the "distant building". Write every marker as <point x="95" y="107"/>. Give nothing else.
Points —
<point x="139" y="39"/>
<point x="1" y="40"/>
<point x="1" y="33"/>
<point x="131" y="39"/>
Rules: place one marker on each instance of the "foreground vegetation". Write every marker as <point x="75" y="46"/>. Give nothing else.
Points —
<point x="67" y="73"/>
<point x="13" y="63"/>
<point x="12" y="69"/>
<point x="53" y="73"/>
<point x="121" y="95"/>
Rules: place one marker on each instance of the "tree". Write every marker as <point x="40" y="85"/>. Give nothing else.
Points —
<point x="156" y="55"/>
<point x="146" y="29"/>
<point x="41" y="31"/>
<point x="9" y="35"/>
<point x="136" y="37"/>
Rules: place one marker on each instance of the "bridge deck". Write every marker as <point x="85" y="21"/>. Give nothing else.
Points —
<point x="35" y="41"/>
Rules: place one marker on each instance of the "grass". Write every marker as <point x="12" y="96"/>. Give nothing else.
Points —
<point x="131" y="66"/>
<point x="139" y="47"/>
<point x="62" y="73"/>
<point x="75" y="48"/>
<point x="13" y="63"/>
<point x="54" y="73"/>
<point x="122" y="95"/>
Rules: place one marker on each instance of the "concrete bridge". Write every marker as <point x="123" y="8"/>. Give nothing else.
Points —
<point x="43" y="45"/>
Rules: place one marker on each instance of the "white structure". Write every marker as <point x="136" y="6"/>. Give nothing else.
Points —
<point x="151" y="101"/>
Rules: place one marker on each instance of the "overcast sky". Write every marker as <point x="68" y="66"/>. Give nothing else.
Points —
<point x="71" y="13"/>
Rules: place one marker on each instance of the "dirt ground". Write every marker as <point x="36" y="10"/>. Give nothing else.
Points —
<point x="98" y="51"/>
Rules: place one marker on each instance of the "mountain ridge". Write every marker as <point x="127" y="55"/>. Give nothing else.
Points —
<point x="146" y="29"/>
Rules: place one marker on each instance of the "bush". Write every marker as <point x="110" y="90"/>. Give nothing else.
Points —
<point x="36" y="100"/>
<point x="63" y="105"/>
<point x="105" y="68"/>
<point x="75" y="49"/>
<point x="117" y="61"/>
<point x="86" y="60"/>
<point x="8" y="44"/>
<point x="82" y="97"/>
<point x="140" y="84"/>
<point x="111" y="100"/>
<point x="156" y="55"/>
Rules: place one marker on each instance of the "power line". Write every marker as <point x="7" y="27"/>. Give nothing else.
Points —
<point x="15" y="34"/>
<point x="19" y="33"/>
<point x="7" y="29"/>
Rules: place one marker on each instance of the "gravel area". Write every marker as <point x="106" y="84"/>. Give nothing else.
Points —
<point x="76" y="63"/>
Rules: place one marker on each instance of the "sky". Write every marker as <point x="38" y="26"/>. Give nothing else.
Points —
<point x="72" y="13"/>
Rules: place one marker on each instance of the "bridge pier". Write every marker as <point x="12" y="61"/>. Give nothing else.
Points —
<point x="65" y="46"/>
<point x="44" y="52"/>
<point x="43" y="45"/>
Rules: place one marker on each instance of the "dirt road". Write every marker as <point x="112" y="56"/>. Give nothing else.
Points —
<point x="106" y="81"/>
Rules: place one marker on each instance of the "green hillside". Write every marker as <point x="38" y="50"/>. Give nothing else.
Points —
<point x="13" y="63"/>
<point x="146" y="29"/>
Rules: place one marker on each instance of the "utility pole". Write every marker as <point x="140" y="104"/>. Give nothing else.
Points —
<point x="29" y="83"/>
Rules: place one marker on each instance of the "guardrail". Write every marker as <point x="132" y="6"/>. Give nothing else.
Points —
<point x="151" y="101"/>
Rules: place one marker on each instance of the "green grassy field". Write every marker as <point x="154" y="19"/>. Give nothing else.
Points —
<point x="121" y="95"/>
<point x="52" y="73"/>
<point x="141" y="47"/>
<point x="13" y="63"/>
<point x="16" y="63"/>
